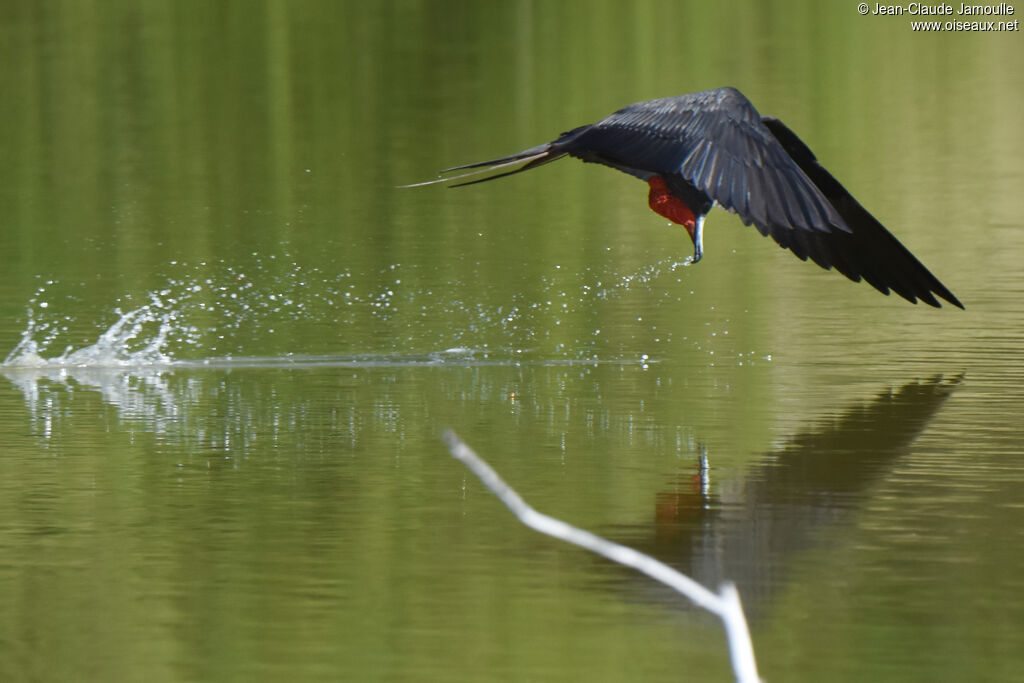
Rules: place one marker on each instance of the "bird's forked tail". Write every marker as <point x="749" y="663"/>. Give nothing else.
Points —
<point x="529" y="158"/>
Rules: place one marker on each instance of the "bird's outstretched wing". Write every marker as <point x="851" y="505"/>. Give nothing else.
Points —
<point x="717" y="142"/>
<point x="868" y="251"/>
<point x="756" y="167"/>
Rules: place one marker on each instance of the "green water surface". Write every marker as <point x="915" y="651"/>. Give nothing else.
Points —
<point x="240" y="476"/>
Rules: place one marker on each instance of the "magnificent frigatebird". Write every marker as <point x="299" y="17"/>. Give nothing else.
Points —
<point x="713" y="147"/>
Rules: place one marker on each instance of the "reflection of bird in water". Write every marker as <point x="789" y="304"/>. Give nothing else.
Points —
<point x="749" y="533"/>
<point x="713" y="147"/>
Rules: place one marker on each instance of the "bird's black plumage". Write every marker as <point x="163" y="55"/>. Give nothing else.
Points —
<point x="713" y="147"/>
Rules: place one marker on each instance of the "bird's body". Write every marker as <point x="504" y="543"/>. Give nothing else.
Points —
<point x="712" y="148"/>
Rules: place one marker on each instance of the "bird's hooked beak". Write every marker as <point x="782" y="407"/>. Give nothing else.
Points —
<point x="697" y="235"/>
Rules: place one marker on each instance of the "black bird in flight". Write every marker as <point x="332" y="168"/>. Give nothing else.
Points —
<point x="713" y="147"/>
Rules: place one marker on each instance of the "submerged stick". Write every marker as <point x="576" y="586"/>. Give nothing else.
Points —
<point x="725" y="604"/>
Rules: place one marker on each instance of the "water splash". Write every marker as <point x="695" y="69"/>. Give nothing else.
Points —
<point x="273" y="309"/>
<point x="138" y="337"/>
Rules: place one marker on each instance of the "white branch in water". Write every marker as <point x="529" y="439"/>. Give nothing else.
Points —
<point x="726" y="604"/>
